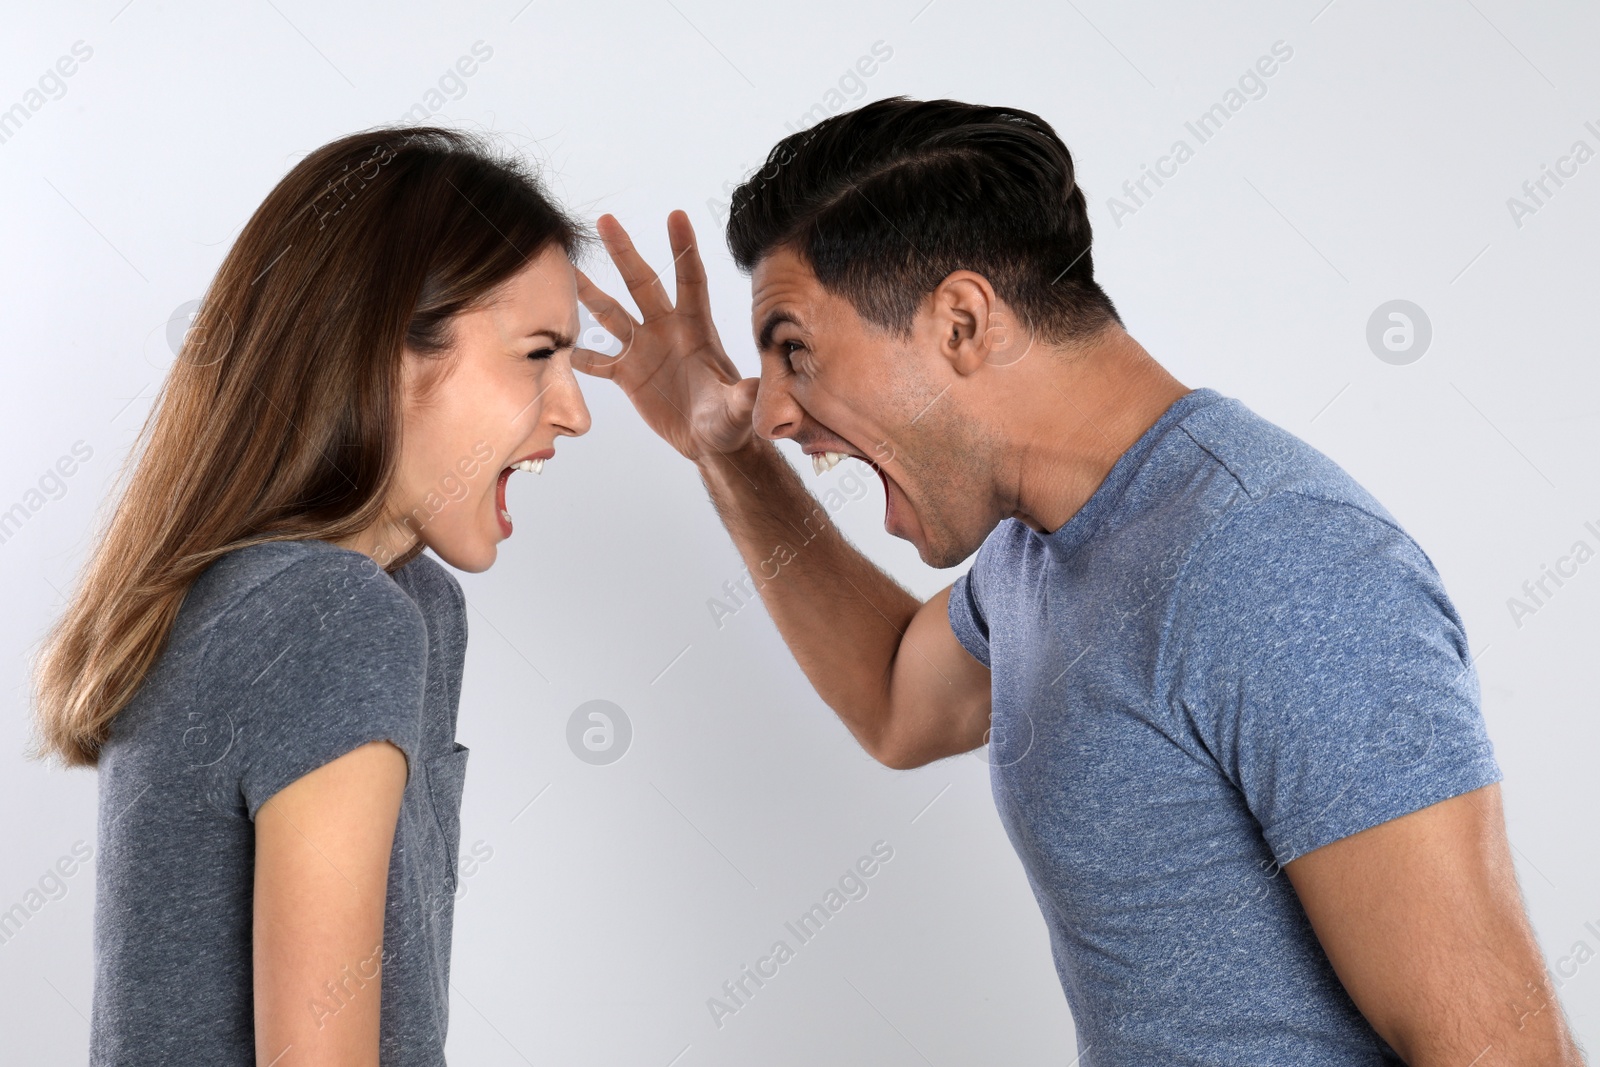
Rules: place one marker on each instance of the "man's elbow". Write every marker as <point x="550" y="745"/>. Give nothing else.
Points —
<point x="899" y="759"/>
<point x="900" y="752"/>
<point x="906" y="744"/>
<point x="892" y="749"/>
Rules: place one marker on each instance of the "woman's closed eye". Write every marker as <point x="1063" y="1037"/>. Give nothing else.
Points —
<point x="546" y="351"/>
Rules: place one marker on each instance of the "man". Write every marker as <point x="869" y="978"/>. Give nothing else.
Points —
<point x="1232" y="718"/>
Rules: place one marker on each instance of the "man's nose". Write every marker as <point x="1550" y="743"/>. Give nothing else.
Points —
<point x="775" y="414"/>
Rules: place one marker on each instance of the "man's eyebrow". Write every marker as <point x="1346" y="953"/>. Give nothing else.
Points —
<point x="773" y="321"/>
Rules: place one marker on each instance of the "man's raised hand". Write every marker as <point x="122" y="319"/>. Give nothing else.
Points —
<point x="672" y="365"/>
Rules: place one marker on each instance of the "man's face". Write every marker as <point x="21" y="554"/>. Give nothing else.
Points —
<point x="836" y="383"/>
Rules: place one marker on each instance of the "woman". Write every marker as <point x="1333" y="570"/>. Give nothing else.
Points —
<point x="258" y="658"/>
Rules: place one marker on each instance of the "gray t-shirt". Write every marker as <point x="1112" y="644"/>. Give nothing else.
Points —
<point x="1231" y="655"/>
<point x="283" y="657"/>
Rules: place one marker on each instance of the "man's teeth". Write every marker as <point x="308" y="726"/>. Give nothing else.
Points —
<point x="822" y="462"/>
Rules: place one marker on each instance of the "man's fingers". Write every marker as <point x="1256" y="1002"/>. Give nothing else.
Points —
<point x="641" y="281"/>
<point x="601" y="304"/>
<point x="594" y="363"/>
<point x="691" y="272"/>
<point x="607" y="312"/>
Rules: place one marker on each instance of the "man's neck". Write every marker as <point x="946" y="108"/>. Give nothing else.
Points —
<point x="1082" y="407"/>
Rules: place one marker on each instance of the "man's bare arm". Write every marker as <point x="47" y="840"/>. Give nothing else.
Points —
<point x="888" y="664"/>
<point x="1423" y="922"/>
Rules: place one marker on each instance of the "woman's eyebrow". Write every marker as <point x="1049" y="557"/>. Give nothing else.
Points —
<point x="560" y="338"/>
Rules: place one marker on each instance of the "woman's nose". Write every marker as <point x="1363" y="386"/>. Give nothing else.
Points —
<point x="570" y="413"/>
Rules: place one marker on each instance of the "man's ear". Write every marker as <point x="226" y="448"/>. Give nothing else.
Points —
<point x="973" y="327"/>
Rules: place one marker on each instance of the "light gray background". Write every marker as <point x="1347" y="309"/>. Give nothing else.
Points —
<point x="617" y="899"/>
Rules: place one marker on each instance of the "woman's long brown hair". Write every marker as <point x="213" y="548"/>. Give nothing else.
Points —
<point x="280" y="419"/>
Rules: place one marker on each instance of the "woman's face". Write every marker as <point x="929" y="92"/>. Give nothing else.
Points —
<point x="510" y="394"/>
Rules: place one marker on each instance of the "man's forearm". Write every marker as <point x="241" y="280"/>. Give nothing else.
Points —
<point x="841" y="616"/>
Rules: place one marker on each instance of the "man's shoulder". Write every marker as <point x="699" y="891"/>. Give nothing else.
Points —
<point x="1292" y="569"/>
<point x="1226" y="491"/>
<point x="1265" y="459"/>
<point x="1283" y="497"/>
<point x="1293" y="531"/>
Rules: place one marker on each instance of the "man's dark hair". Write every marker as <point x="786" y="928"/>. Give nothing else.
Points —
<point x="885" y="201"/>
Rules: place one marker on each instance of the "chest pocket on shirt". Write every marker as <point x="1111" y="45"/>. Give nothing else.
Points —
<point x="447" y="775"/>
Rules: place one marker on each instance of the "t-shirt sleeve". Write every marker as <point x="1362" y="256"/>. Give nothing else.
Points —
<point x="967" y="619"/>
<point x="1317" y="657"/>
<point x="321" y="658"/>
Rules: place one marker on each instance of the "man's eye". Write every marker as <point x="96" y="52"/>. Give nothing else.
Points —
<point x="542" y="353"/>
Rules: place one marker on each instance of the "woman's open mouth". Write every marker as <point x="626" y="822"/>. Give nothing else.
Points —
<point x="533" y="464"/>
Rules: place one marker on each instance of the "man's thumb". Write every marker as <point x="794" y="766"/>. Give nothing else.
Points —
<point x="742" y="400"/>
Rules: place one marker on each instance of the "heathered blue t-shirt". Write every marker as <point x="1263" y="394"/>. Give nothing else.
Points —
<point x="1231" y="655"/>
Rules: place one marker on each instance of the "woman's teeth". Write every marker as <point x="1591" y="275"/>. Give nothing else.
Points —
<point x="534" y="466"/>
<point x="822" y="462"/>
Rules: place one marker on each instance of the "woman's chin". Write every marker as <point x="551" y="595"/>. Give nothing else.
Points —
<point x="472" y="551"/>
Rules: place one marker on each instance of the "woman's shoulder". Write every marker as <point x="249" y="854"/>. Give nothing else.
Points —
<point x="439" y="597"/>
<point x="320" y="650"/>
<point x="289" y="569"/>
<point x="312" y="590"/>
<point x="274" y="635"/>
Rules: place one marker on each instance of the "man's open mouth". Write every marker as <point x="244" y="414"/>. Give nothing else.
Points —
<point x="825" y="461"/>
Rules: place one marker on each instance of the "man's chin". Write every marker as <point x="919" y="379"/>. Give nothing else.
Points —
<point x="894" y="524"/>
<point x="938" y="560"/>
<point x="941" y="554"/>
<point x="905" y="524"/>
<point x="935" y="556"/>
